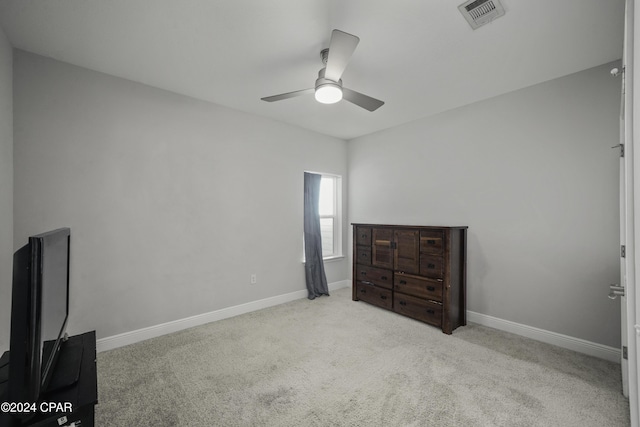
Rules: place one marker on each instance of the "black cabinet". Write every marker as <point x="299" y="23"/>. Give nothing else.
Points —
<point x="80" y="393"/>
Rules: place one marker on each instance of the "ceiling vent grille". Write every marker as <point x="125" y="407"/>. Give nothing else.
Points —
<point x="480" y="12"/>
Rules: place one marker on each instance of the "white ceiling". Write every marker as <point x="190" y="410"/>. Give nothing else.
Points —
<point x="419" y="56"/>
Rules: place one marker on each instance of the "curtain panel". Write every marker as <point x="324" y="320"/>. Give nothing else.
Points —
<point x="314" y="265"/>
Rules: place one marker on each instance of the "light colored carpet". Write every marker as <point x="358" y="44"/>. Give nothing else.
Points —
<point x="335" y="362"/>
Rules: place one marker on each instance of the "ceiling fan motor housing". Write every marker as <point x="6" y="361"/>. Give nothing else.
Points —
<point x="322" y="81"/>
<point x="327" y="91"/>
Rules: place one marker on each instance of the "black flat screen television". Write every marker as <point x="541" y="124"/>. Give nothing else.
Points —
<point x="39" y="312"/>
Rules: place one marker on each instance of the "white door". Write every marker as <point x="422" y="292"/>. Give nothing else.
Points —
<point x="619" y="291"/>
<point x="626" y="214"/>
<point x="626" y="201"/>
<point x="629" y="212"/>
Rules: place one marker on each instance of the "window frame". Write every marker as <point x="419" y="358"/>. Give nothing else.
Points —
<point x="336" y="232"/>
<point x="337" y="252"/>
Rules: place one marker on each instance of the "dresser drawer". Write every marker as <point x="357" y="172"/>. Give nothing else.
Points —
<point x="374" y="295"/>
<point x="363" y="255"/>
<point x="418" y="286"/>
<point x="426" y="311"/>
<point x="431" y="241"/>
<point x="363" y="236"/>
<point x="431" y="266"/>
<point x="376" y="276"/>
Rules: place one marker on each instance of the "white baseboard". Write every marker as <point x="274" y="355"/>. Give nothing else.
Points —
<point x="138" y="335"/>
<point x="576" y="344"/>
<point x="611" y="354"/>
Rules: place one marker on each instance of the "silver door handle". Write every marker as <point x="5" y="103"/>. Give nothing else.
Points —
<point x="616" y="290"/>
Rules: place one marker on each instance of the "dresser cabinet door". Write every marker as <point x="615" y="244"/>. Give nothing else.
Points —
<point x="382" y="248"/>
<point x="407" y="251"/>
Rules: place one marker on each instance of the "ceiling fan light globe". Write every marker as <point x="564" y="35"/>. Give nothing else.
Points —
<point x="328" y="93"/>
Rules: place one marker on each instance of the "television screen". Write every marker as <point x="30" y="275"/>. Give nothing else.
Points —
<point x="53" y="249"/>
<point x="39" y="312"/>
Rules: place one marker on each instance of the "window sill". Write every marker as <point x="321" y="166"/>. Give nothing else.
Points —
<point x="334" y="258"/>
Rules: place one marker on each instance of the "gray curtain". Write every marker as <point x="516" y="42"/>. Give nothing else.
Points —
<point x="314" y="266"/>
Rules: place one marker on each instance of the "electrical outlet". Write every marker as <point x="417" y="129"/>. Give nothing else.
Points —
<point x="254" y="279"/>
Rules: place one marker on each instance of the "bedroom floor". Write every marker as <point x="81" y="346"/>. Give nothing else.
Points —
<point x="335" y="362"/>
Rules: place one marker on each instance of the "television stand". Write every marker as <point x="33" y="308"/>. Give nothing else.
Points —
<point x="67" y="370"/>
<point x="74" y="381"/>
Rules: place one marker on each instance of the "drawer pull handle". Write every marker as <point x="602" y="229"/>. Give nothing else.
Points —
<point x="383" y="277"/>
<point x="430" y="311"/>
<point x="363" y="273"/>
<point x="431" y="242"/>
<point x="367" y="283"/>
<point x="431" y="288"/>
<point x="403" y="282"/>
<point x="383" y="297"/>
<point x="431" y="266"/>
<point x="403" y="303"/>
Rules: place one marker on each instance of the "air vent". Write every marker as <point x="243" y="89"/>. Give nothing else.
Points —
<point x="480" y="12"/>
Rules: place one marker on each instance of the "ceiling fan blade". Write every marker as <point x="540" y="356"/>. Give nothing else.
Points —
<point x="288" y="95"/>
<point x="341" y="49"/>
<point x="364" y="101"/>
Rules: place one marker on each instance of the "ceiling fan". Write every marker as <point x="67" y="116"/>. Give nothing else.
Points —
<point x="328" y="88"/>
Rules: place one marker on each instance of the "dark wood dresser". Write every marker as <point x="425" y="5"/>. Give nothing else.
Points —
<point x="416" y="271"/>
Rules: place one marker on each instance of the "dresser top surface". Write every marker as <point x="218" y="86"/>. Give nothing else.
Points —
<point x="358" y="224"/>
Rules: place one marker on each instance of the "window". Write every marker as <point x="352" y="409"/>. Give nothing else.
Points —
<point x="329" y="220"/>
<point x="330" y="210"/>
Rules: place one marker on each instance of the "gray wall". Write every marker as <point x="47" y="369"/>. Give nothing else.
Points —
<point x="6" y="187"/>
<point x="533" y="176"/>
<point x="173" y="203"/>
